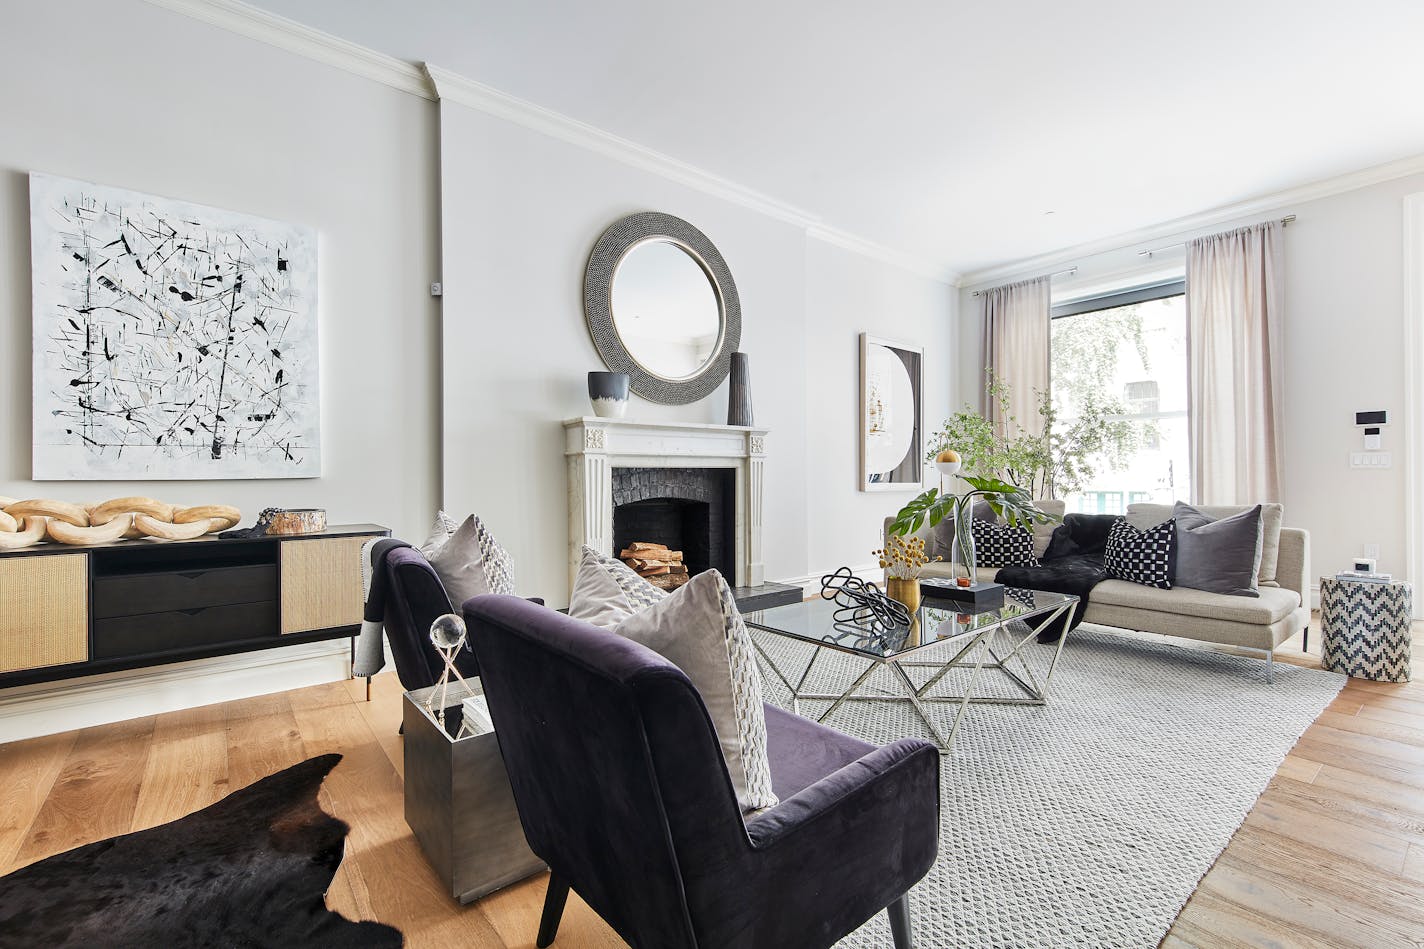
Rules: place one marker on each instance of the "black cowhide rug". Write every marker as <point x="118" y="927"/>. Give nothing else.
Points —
<point x="251" y="870"/>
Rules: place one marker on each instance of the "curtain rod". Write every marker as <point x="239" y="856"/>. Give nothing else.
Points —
<point x="1056" y="273"/>
<point x="1157" y="250"/>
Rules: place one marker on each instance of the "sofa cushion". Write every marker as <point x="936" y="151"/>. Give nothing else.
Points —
<point x="803" y="752"/>
<point x="1274" y="603"/>
<point x="1142" y="516"/>
<point x="1141" y="556"/>
<point x="698" y="628"/>
<point x="607" y="591"/>
<point x="467" y="558"/>
<point x="999" y="545"/>
<point x="1219" y="555"/>
<point x="941" y="537"/>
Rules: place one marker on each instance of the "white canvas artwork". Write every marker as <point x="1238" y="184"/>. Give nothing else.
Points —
<point x="171" y="341"/>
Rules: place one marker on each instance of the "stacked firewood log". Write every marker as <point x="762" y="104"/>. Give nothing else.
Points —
<point x="661" y="567"/>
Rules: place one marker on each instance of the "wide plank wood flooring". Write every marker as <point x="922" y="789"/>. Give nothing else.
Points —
<point x="1332" y="855"/>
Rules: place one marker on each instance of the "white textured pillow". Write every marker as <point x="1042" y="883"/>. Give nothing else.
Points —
<point x="699" y="629"/>
<point x="468" y="560"/>
<point x="607" y="591"/>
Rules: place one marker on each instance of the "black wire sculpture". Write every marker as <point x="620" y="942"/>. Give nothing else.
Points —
<point x="864" y="610"/>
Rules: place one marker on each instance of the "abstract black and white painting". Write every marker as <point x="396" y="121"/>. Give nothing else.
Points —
<point x="171" y="340"/>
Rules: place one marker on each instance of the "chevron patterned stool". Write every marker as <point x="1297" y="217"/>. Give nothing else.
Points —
<point x="1366" y="628"/>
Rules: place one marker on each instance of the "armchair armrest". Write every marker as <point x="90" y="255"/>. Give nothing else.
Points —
<point x="900" y="771"/>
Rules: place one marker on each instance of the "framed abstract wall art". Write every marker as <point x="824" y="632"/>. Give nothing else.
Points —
<point x="891" y="413"/>
<point x="172" y="341"/>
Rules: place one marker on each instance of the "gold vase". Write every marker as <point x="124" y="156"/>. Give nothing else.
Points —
<point x="906" y="590"/>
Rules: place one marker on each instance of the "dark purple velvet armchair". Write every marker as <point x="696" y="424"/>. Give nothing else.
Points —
<point x="622" y="789"/>
<point x="415" y="597"/>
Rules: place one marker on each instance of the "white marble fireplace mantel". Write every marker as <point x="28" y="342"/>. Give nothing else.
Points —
<point x="593" y="447"/>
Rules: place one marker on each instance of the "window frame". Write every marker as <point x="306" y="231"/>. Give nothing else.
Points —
<point x="1158" y="290"/>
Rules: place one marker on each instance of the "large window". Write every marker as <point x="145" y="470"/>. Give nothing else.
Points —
<point x="1124" y="357"/>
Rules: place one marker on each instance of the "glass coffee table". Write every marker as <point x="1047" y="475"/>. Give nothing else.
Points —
<point x="944" y="635"/>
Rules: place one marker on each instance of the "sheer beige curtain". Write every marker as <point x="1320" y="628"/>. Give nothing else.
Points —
<point x="1016" y="348"/>
<point x="1236" y="364"/>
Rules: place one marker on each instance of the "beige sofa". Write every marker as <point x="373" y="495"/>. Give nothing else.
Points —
<point x="1259" y="623"/>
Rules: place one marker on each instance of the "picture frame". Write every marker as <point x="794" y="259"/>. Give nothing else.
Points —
<point x="891" y="427"/>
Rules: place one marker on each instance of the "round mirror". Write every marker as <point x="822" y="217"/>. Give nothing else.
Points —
<point x="666" y="309"/>
<point x="662" y="307"/>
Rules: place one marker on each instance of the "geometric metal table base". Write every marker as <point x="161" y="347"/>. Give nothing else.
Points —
<point x="982" y="645"/>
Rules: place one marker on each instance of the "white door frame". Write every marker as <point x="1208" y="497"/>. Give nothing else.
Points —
<point x="1414" y="395"/>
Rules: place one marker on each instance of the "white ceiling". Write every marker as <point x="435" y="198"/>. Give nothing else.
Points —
<point x="949" y="130"/>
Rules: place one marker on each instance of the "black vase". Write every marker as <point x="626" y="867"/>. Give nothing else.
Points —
<point x="739" y="393"/>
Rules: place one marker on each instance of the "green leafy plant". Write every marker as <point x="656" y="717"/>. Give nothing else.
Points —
<point x="1006" y="500"/>
<point x="1060" y="460"/>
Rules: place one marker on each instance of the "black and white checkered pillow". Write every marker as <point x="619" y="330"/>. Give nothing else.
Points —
<point x="999" y="545"/>
<point x="1141" y="556"/>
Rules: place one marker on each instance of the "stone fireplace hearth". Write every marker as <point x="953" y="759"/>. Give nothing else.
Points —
<point x="698" y="484"/>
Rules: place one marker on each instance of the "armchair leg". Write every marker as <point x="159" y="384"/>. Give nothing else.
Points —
<point x="554" y="898"/>
<point x="899" y="913"/>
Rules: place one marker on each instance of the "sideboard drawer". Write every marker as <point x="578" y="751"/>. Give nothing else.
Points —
<point x="130" y="594"/>
<point x="116" y="636"/>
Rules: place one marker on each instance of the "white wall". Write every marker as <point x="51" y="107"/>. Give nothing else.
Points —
<point x="847" y="294"/>
<point x="1344" y="353"/>
<point x="521" y="211"/>
<point x="143" y="98"/>
<point x="422" y="404"/>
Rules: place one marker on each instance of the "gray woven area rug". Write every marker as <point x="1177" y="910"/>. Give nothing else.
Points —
<point x="1089" y="821"/>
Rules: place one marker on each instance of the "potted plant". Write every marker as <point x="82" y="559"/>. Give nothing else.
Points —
<point x="902" y="558"/>
<point x="1008" y="501"/>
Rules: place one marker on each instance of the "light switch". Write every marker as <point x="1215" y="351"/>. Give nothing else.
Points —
<point x="1371" y="459"/>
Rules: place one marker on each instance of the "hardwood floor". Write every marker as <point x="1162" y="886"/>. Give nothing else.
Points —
<point x="1332" y="855"/>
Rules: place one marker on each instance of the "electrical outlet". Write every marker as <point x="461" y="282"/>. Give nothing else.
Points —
<point x="1372" y="551"/>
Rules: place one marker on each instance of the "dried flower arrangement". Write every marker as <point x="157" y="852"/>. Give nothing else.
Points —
<point x="903" y="556"/>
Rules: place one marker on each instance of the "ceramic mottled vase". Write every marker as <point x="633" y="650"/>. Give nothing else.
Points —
<point x="739" y="392"/>
<point x="608" y="393"/>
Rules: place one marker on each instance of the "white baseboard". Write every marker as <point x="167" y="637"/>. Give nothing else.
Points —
<point x="45" y="708"/>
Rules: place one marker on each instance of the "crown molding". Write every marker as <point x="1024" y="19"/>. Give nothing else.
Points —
<point x="283" y="33"/>
<point x="453" y="87"/>
<point x="923" y="266"/>
<point x="436" y="84"/>
<point x="1271" y="202"/>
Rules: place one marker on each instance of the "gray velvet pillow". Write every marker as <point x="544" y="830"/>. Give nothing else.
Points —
<point x="1218" y="555"/>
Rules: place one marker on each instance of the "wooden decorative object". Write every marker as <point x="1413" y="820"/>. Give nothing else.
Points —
<point x="107" y="522"/>
<point x="44" y="507"/>
<point x="153" y="527"/>
<point x="321" y="583"/>
<point x="32" y="531"/>
<point x="294" y="521"/>
<point x="44" y="612"/>
<point x="111" y="530"/>
<point x="105" y="512"/>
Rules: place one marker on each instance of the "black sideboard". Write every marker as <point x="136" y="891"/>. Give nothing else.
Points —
<point x="75" y="611"/>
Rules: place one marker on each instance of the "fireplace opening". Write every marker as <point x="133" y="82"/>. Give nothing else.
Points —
<point x="686" y="510"/>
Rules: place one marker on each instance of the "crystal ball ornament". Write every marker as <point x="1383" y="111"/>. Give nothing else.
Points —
<point x="448" y="636"/>
<point x="448" y="632"/>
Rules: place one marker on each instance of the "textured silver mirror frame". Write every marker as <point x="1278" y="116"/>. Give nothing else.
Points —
<point x="598" y="305"/>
